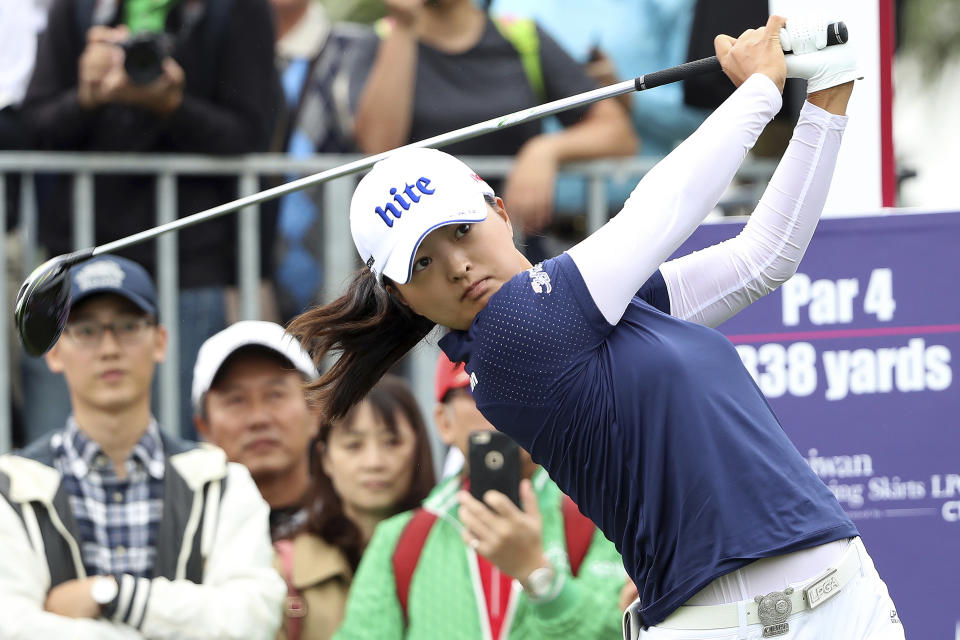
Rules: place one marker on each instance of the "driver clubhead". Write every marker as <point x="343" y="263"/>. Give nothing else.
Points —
<point x="43" y="303"/>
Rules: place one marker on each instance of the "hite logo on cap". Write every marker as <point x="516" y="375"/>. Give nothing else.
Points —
<point x="422" y="185"/>
<point x="104" y="274"/>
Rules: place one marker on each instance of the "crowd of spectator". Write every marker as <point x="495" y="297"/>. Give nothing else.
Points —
<point x="427" y="572"/>
<point x="111" y="526"/>
<point x="279" y="523"/>
<point x="305" y="77"/>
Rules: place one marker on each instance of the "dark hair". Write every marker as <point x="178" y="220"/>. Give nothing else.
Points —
<point x="369" y="328"/>
<point x="325" y="517"/>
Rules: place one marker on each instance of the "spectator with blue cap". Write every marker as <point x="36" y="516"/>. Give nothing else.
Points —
<point x="149" y="77"/>
<point x="140" y="534"/>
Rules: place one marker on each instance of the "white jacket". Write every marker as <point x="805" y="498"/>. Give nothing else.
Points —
<point x="214" y="557"/>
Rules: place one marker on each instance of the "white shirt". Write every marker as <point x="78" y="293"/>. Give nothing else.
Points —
<point x="21" y="22"/>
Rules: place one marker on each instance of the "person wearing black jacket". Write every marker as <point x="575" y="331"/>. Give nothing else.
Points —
<point x="216" y="93"/>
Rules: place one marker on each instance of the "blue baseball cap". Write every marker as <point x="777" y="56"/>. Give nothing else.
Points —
<point x="116" y="275"/>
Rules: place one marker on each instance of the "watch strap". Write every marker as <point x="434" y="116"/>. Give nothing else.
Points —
<point x="109" y="609"/>
<point x="133" y="597"/>
<point x="551" y="591"/>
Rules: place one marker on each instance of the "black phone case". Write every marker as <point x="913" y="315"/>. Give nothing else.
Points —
<point x="494" y="465"/>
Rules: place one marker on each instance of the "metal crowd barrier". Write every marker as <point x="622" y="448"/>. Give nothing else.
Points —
<point x="339" y="258"/>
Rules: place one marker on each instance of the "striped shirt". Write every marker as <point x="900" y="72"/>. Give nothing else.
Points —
<point x="117" y="517"/>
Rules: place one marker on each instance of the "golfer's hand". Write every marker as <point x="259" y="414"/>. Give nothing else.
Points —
<point x="506" y="536"/>
<point x="73" y="599"/>
<point x="528" y="192"/>
<point x="755" y="51"/>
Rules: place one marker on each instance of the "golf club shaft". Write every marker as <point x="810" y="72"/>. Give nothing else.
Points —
<point x="647" y="81"/>
<point x="836" y="34"/>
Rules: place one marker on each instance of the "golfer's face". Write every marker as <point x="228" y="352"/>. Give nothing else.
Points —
<point x="457" y="268"/>
<point x="107" y="354"/>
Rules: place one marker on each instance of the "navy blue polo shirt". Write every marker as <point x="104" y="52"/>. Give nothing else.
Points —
<point x="653" y="427"/>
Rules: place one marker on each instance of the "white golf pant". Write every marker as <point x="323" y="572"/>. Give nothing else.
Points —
<point x="862" y="610"/>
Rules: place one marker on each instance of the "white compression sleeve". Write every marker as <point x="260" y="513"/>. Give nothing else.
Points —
<point x="711" y="285"/>
<point x="673" y="199"/>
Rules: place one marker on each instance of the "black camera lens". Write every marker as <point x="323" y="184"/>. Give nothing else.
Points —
<point x="144" y="54"/>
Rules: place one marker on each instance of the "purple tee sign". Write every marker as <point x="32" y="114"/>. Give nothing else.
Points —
<point x="856" y="354"/>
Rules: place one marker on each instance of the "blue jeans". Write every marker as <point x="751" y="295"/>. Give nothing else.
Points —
<point x="47" y="403"/>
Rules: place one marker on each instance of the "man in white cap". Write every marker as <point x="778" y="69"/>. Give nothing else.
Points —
<point x="248" y="398"/>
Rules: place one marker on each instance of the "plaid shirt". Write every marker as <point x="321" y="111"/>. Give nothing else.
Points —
<point x="118" y="518"/>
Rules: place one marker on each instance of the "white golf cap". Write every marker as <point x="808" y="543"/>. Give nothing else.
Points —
<point x="220" y="346"/>
<point x="405" y="197"/>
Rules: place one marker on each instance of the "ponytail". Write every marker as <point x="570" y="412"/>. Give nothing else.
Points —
<point x="370" y="330"/>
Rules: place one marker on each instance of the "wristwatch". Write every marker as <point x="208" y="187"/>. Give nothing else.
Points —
<point x="104" y="590"/>
<point x="540" y="583"/>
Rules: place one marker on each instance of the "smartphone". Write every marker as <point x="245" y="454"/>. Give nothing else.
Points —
<point x="494" y="461"/>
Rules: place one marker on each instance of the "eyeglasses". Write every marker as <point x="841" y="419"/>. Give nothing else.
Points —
<point x="127" y="330"/>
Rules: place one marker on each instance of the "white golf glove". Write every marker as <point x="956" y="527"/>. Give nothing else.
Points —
<point x="804" y="34"/>
<point x="822" y="66"/>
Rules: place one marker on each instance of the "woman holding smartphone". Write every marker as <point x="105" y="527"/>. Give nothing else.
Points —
<point x="603" y="362"/>
<point x="450" y="569"/>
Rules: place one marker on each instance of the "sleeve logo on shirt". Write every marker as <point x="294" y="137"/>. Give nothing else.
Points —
<point x="540" y="279"/>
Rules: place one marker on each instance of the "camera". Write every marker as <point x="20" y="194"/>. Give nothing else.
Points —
<point x="144" y="54"/>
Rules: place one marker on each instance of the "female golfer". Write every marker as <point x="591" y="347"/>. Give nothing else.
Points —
<point x="602" y="362"/>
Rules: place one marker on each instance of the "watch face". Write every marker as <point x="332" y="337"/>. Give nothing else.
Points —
<point x="540" y="581"/>
<point x="103" y="590"/>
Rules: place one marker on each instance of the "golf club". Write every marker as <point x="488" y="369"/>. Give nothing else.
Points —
<point x="43" y="301"/>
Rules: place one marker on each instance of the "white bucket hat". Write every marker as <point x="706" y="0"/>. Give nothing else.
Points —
<point x="404" y="198"/>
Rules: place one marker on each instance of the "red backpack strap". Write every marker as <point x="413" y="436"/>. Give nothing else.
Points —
<point x="294" y="606"/>
<point x="579" y="530"/>
<point x="407" y="553"/>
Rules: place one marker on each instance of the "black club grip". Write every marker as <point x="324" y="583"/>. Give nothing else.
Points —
<point x="679" y="72"/>
<point x="836" y="34"/>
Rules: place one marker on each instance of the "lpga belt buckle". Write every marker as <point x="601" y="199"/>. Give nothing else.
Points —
<point x="774" y="609"/>
<point x="822" y="589"/>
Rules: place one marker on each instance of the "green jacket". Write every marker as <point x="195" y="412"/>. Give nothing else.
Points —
<point x="441" y="601"/>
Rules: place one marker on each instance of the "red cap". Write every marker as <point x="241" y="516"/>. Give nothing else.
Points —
<point x="449" y="376"/>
